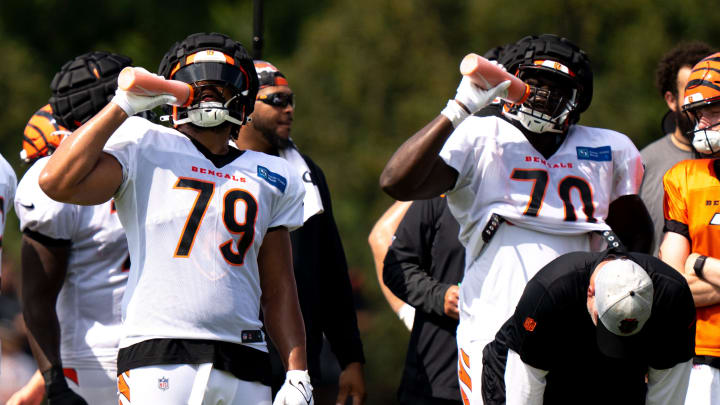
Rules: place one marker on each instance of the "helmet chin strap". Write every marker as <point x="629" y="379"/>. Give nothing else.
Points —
<point x="539" y="123"/>
<point x="207" y="114"/>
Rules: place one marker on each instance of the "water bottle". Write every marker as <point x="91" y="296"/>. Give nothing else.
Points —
<point x="486" y="75"/>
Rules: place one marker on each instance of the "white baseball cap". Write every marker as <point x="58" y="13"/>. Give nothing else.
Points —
<point x="623" y="299"/>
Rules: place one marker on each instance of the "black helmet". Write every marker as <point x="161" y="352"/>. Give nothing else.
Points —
<point x="212" y="57"/>
<point x="84" y="85"/>
<point x="549" y="54"/>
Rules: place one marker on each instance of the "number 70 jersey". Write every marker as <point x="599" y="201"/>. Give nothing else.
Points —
<point x="500" y="172"/>
<point x="195" y="223"/>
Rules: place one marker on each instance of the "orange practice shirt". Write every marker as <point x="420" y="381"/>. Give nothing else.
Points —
<point x="692" y="208"/>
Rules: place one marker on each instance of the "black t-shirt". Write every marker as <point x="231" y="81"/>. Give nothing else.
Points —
<point x="551" y="329"/>
<point x="423" y="261"/>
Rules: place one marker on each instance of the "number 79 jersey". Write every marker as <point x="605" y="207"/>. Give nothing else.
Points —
<point x="500" y="172"/>
<point x="194" y="224"/>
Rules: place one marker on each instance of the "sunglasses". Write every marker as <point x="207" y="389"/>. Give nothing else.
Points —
<point x="278" y="99"/>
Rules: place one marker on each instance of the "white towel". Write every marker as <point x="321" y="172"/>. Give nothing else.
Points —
<point x="312" y="202"/>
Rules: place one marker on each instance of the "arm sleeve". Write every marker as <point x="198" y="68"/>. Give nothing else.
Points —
<point x="409" y="259"/>
<point x="338" y="315"/>
<point x="668" y="386"/>
<point x="524" y="384"/>
<point x="530" y="327"/>
<point x="629" y="170"/>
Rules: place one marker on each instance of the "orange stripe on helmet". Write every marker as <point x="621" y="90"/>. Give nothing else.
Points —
<point x="555" y="65"/>
<point x="174" y="70"/>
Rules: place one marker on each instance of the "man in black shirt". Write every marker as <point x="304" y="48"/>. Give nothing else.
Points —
<point x="423" y="266"/>
<point x="589" y="328"/>
<point x="321" y="271"/>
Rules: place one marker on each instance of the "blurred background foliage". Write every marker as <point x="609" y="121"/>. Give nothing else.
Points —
<point x="367" y="75"/>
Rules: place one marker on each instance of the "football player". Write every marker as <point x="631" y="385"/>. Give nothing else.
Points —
<point x="208" y="232"/>
<point x="692" y="225"/>
<point x="525" y="186"/>
<point x="74" y="258"/>
<point x="671" y="77"/>
<point x="321" y="273"/>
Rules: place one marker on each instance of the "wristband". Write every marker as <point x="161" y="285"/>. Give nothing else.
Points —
<point x="455" y="113"/>
<point x="698" y="266"/>
<point x="54" y="380"/>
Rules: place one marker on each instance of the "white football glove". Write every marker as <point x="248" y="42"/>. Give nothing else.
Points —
<point x="406" y="313"/>
<point x="296" y="390"/>
<point x="473" y="98"/>
<point x="133" y="103"/>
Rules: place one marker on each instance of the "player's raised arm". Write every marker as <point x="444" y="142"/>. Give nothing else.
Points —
<point x="79" y="172"/>
<point x="416" y="170"/>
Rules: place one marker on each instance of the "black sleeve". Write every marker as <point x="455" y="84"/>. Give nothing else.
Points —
<point x="407" y="265"/>
<point x="529" y="331"/>
<point x="339" y="320"/>
<point x="630" y="220"/>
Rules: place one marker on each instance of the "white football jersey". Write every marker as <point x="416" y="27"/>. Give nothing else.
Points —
<point x="8" y="184"/>
<point x="89" y="303"/>
<point x="500" y="172"/>
<point x="194" y="231"/>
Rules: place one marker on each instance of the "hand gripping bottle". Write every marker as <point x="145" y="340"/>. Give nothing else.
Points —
<point x="486" y="75"/>
<point x="144" y="83"/>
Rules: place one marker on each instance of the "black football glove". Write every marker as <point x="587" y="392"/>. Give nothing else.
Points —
<point x="57" y="390"/>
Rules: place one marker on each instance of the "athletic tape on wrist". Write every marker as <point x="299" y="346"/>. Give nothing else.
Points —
<point x="121" y="100"/>
<point x="454" y="112"/>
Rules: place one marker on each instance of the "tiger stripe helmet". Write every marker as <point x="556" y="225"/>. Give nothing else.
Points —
<point x="702" y="90"/>
<point x="42" y="135"/>
<point x="703" y="86"/>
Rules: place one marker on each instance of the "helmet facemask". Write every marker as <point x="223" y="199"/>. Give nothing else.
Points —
<point x="702" y="105"/>
<point x="223" y="105"/>
<point x="550" y="104"/>
<point x="226" y="84"/>
<point x="705" y="141"/>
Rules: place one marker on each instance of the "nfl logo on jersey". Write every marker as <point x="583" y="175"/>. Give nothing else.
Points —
<point x="163" y="384"/>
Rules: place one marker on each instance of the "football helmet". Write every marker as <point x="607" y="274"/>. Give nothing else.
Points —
<point x="561" y="81"/>
<point x="703" y="90"/>
<point x="84" y="85"/>
<point x="211" y="61"/>
<point x="42" y="135"/>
